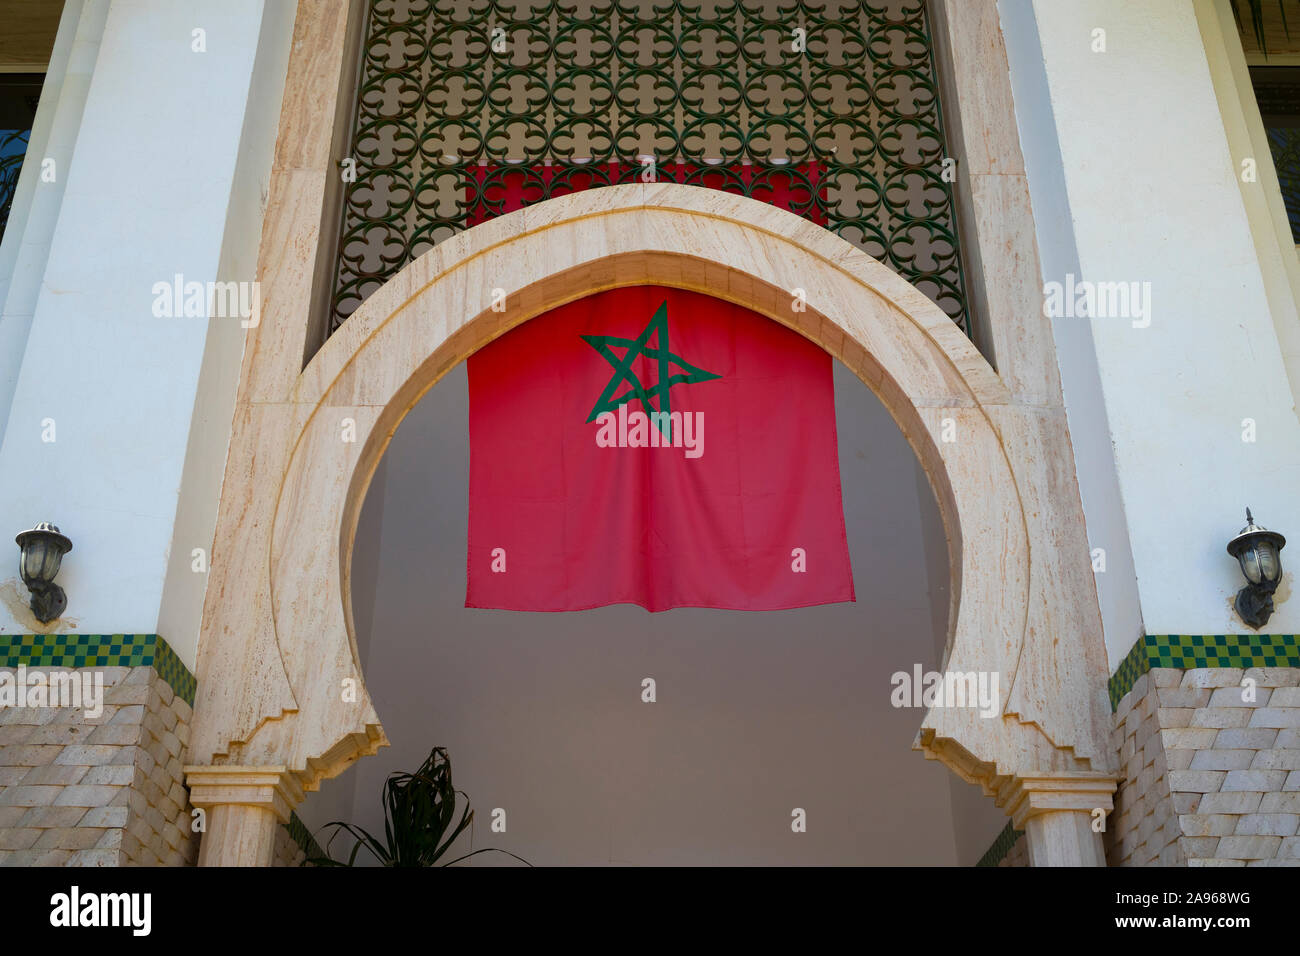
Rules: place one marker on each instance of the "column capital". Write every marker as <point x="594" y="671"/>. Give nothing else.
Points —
<point x="274" y="788"/>
<point x="1028" y="795"/>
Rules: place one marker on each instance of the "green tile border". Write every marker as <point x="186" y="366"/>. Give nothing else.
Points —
<point x="1136" y="663"/>
<point x="100" y="650"/>
<point x="1188" y="651"/>
<point x="302" y="836"/>
<point x="1001" y="846"/>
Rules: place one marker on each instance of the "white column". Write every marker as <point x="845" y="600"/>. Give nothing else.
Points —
<point x="1135" y="182"/>
<point x="36" y="202"/>
<point x="148" y="187"/>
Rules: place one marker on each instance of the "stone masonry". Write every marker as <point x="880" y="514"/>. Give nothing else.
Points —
<point x="1209" y="777"/>
<point x="1209" y="767"/>
<point x="287" y="850"/>
<point x="103" y="792"/>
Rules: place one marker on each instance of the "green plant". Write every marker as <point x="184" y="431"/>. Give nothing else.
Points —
<point x="419" y="809"/>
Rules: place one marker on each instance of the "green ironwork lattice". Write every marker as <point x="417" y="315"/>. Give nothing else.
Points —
<point x="13" y="146"/>
<point x="469" y="108"/>
<point x="1285" y="146"/>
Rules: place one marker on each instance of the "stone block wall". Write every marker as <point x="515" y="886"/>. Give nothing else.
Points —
<point x="1143" y="829"/>
<point x="294" y="843"/>
<point x="287" y="850"/>
<point x="1211" y="777"/>
<point x="105" y="791"/>
<point x="159" y="829"/>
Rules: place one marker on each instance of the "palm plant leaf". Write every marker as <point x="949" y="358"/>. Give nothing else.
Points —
<point x="420" y="822"/>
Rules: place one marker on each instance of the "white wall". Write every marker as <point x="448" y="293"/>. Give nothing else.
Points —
<point x="34" y="212"/>
<point x="151" y="190"/>
<point x="1145" y="190"/>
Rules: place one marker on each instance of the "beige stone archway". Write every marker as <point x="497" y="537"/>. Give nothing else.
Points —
<point x="279" y="615"/>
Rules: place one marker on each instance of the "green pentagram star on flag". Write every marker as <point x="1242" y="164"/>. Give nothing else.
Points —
<point x="605" y="345"/>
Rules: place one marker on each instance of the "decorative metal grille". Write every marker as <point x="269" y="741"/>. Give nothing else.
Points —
<point x="13" y="147"/>
<point x="466" y="108"/>
<point x="1284" y="144"/>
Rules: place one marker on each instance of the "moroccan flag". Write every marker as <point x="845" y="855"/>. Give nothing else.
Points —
<point x="654" y="446"/>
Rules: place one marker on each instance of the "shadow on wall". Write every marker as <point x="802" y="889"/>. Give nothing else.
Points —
<point x="757" y="713"/>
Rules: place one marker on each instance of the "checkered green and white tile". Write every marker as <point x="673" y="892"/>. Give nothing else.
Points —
<point x="1189" y="651"/>
<point x="99" y="650"/>
<point x="1001" y="846"/>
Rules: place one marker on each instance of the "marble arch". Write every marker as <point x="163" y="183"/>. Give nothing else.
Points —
<point x="280" y="617"/>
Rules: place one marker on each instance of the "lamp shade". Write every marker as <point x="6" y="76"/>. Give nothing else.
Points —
<point x="1258" y="550"/>
<point x="42" y="551"/>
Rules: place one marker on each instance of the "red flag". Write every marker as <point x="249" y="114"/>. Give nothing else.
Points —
<point x="658" y="447"/>
<point x="496" y="189"/>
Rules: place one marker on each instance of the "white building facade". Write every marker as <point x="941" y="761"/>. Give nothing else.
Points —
<point x="1120" y="369"/>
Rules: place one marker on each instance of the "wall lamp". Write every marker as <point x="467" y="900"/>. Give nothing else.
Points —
<point x="1257" y="550"/>
<point x="43" y="548"/>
